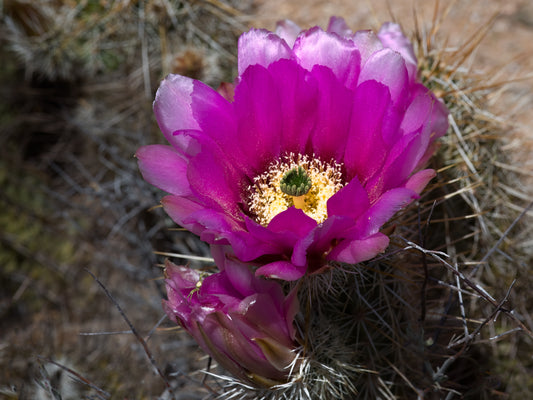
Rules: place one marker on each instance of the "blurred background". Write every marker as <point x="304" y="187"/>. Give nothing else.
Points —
<point x="77" y="81"/>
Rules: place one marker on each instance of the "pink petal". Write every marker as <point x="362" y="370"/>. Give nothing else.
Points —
<point x="179" y="208"/>
<point x="183" y="104"/>
<point x="298" y="94"/>
<point x="439" y="119"/>
<point x="366" y="150"/>
<point x="437" y="127"/>
<point x="387" y="67"/>
<point x="338" y="25"/>
<point x="214" y="114"/>
<point x="213" y="178"/>
<point x="211" y="338"/>
<point x="179" y="283"/>
<point x="281" y="270"/>
<point x="419" y="110"/>
<point x="240" y="277"/>
<point x="367" y="43"/>
<point x="259" y="46"/>
<point x="333" y="121"/>
<point x="162" y="167"/>
<point x="351" y="200"/>
<point x="180" y="103"/>
<point x="278" y="355"/>
<point x="180" y="280"/>
<point x="419" y="181"/>
<point x="217" y="227"/>
<point x="288" y="31"/>
<point x="383" y="209"/>
<point x="313" y="248"/>
<point x="258" y="240"/>
<point x="292" y="220"/>
<point x="173" y="105"/>
<point x="391" y="36"/>
<point x="224" y="335"/>
<point x="356" y="251"/>
<point x="209" y="224"/>
<point x="279" y="237"/>
<point x="180" y="277"/>
<point x="316" y="47"/>
<point x="291" y="307"/>
<point x="258" y="108"/>
<point x="401" y="162"/>
<point x="267" y="315"/>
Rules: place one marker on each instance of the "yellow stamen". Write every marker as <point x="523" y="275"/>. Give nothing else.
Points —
<point x="267" y="199"/>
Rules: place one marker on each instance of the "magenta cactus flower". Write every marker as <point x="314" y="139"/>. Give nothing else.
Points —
<point x="319" y="142"/>
<point x="243" y="321"/>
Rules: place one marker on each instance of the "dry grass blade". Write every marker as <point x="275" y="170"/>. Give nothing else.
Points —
<point x="102" y="394"/>
<point x="502" y="237"/>
<point x="139" y="338"/>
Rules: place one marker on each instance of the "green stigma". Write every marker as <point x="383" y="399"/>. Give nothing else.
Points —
<point x="295" y="182"/>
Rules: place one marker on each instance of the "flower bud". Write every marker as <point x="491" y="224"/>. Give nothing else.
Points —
<point x="244" y="322"/>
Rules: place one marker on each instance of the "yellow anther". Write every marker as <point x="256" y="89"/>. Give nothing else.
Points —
<point x="314" y="183"/>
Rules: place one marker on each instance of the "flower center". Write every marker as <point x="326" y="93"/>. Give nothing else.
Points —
<point x="295" y="180"/>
